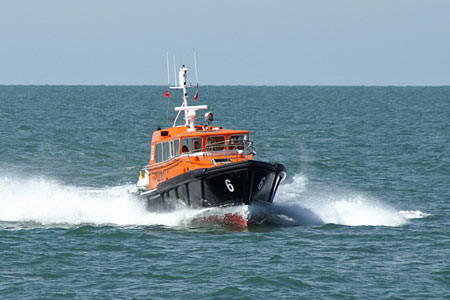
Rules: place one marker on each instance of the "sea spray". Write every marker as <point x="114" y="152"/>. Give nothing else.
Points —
<point x="47" y="201"/>
<point x="298" y="203"/>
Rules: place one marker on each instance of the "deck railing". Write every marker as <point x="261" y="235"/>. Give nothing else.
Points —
<point x="222" y="152"/>
<point x="227" y="151"/>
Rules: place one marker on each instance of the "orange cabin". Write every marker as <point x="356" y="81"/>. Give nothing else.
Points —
<point x="179" y="150"/>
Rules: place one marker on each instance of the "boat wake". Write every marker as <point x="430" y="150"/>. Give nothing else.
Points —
<point x="41" y="201"/>
<point x="297" y="204"/>
<point x="49" y="202"/>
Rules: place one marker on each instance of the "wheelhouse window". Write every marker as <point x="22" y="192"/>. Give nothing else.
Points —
<point x="238" y="141"/>
<point x="191" y="145"/>
<point x="166" y="151"/>
<point x="215" y="143"/>
<point x="158" y="153"/>
<point x="176" y="147"/>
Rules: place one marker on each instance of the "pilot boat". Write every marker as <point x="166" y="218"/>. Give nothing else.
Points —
<point x="207" y="167"/>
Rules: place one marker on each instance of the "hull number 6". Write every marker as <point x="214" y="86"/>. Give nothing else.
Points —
<point x="230" y="187"/>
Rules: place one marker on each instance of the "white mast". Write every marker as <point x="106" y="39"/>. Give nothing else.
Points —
<point x="189" y="111"/>
<point x="182" y="81"/>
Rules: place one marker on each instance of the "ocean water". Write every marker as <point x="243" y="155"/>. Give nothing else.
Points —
<point x="363" y="213"/>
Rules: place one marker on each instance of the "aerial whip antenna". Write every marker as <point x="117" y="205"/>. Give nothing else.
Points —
<point x="168" y="89"/>
<point x="175" y="71"/>
<point x="168" y="73"/>
<point x="195" y="63"/>
<point x="196" y="75"/>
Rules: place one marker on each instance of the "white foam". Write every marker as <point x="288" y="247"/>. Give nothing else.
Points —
<point x="49" y="202"/>
<point x="356" y="210"/>
<point x="309" y="205"/>
<point x="413" y="214"/>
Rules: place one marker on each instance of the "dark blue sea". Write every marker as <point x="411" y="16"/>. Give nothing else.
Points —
<point x="363" y="214"/>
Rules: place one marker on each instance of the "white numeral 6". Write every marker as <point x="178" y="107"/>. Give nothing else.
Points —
<point x="230" y="187"/>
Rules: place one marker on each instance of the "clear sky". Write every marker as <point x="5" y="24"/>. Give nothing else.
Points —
<point x="245" y="42"/>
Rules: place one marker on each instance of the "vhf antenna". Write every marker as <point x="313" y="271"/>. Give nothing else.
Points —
<point x="175" y="71"/>
<point x="168" y="73"/>
<point x="168" y="83"/>
<point x="195" y="63"/>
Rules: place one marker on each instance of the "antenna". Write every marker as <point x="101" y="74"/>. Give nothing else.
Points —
<point x="189" y="111"/>
<point x="168" y="82"/>
<point x="168" y="73"/>
<point x="175" y="70"/>
<point x="195" y="63"/>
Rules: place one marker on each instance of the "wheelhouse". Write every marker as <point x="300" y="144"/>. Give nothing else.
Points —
<point x="177" y="150"/>
<point x="166" y="147"/>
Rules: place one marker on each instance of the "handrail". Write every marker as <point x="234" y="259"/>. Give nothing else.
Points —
<point x="237" y="145"/>
<point x="239" y="149"/>
<point x="224" y="147"/>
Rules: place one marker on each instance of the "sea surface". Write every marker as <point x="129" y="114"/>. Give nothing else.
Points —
<point x="363" y="214"/>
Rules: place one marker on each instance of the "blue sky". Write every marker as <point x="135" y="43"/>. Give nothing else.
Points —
<point x="247" y="42"/>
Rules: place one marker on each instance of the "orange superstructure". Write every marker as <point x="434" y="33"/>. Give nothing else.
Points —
<point x="176" y="150"/>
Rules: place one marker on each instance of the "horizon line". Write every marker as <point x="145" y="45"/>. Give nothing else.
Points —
<point x="240" y="85"/>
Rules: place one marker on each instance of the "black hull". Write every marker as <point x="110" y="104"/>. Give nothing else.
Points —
<point x="244" y="183"/>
